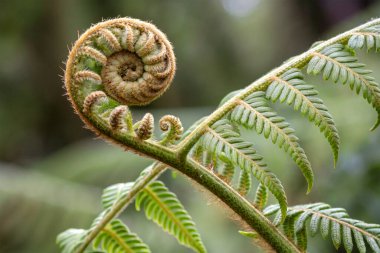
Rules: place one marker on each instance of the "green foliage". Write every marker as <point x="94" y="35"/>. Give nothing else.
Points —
<point x="163" y="207"/>
<point x="254" y="113"/>
<point x="328" y="220"/>
<point x="290" y="88"/>
<point x="70" y="240"/>
<point x="261" y="197"/>
<point x="338" y="63"/>
<point x="116" y="237"/>
<point x="368" y="37"/>
<point x="224" y="141"/>
<point x="245" y="182"/>
<point x="114" y="193"/>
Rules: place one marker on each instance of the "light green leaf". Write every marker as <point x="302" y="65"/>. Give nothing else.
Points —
<point x="223" y="140"/>
<point x="116" y="237"/>
<point x="340" y="64"/>
<point x="290" y="88"/>
<point x="163" y="207"/>
<point x="254" y="113"/>
<point x="328" y="220"/>
<point x="70" y="239"/>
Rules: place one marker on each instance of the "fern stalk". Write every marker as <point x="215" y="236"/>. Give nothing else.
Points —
<point x="121" y="204"/>
<point x="241" y="206"/>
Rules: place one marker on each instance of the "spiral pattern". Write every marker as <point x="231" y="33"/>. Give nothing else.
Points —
<point x="117" y="64"/>
<point x="173" y="128"/>
<point x="131" y="61"/>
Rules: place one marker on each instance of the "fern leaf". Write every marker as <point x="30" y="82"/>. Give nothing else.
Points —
<point x="70" y="239"/>
<point x="261" y="197"/>
<point x="333" y="221"/>
<point x="114" y="193"/>
<point x="291" y="88"/>
<point x="116" y="237"/>
<point x="163" y="207"/>
<point x="223" y="140"/>
<point x="289" y="228"/>
<point x="254" y="113"/>
<point x="245" y="182"/>
<point x="227" y="172"/>
<point x="301" y="239"/>
<point x="337" y="63"/>
<point x="368" y="37"/>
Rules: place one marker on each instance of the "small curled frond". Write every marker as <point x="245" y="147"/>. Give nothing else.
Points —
<point x="173" y="129"/>
<point x="343" y="230"/>
<point x="121" y="119"/>
<point x="144" y="128"/>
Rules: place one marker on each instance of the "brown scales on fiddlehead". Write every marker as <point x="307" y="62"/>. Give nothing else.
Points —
<point x="144" y="128"/>
<point x="116" y="64"/>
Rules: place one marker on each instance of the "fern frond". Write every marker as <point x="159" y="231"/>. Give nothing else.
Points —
<point x="261" y="197"/>
<point x="291" y="88"/>
<point x="333" y="221"/>
<point x="338" y="63"/>
<point x="226" y="171"/>
<point x="163" y="207"/>
<point x="116" y="237"/>
<point x="223" y="140"/>
<point x="245" y="182"/>
<point x="254" y="113"/>
<point x="71" y="239"/>
<point x="114" y="193"/>
<point x="368" y="37"/>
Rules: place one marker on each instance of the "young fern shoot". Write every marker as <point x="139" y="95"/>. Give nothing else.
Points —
<point x="125" y="62"/>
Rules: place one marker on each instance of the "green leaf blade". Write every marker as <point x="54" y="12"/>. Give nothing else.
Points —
<point x="163" y="207"/>
<point x="259" y="117"/>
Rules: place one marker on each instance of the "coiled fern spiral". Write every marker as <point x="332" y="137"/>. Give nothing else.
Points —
<point x="116" y="64"/>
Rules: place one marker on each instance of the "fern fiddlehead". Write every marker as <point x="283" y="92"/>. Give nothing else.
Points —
<point x="125" y="62"/>
<point x="114" y="65"/>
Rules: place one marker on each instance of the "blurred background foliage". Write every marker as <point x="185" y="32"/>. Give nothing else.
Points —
<point x="52" y="172"/>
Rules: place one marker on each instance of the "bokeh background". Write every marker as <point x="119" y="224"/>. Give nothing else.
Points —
<point x="52" y="170"/>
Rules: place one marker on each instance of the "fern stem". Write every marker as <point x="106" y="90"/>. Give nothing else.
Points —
<point x="262" y="83"/>
<point x="119" y="207"/>
<point x="247" y="212"/>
